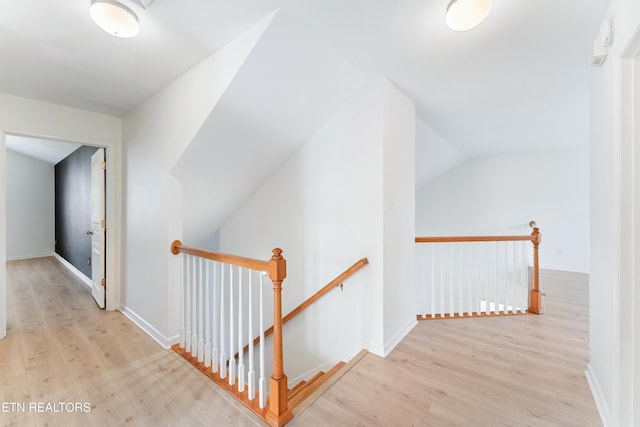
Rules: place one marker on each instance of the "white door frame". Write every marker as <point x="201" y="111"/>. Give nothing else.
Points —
<point x="626" y="381"/>
<point x="113" y="200"/>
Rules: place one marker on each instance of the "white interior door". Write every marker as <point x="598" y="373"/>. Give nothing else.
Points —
<point x="98" y="226"/>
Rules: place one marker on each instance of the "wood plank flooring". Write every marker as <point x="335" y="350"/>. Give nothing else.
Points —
<point x="513" y="371"/>
<point x="495" y="371"/>
<point x="61" y="347"/>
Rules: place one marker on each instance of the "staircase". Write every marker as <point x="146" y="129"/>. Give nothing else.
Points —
<point x="221" y="303"/>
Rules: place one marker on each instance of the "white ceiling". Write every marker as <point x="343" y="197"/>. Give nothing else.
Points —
<point x="518" y="82"/>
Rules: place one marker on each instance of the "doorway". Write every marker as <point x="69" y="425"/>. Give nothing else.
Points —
<point x="112" y="270"/>
<point x="55" y="206"/>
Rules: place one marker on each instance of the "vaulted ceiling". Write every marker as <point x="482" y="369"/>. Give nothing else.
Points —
<point x="518" y="82"/>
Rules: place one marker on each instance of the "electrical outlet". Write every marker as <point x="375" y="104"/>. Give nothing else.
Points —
<point x="89" y="260"/>
<point x="68" y="249"/>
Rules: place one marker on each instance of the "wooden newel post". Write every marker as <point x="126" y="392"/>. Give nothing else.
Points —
<point x="278" y="412"/>
<point x="535" y="298"/>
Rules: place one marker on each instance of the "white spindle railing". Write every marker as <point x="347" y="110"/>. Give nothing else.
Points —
<point x="460" y="276"/>
<point x="208" y="321"/>
<point x="218" y="303"/>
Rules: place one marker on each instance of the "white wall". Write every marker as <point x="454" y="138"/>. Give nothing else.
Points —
<point x="326" y="209"/>
<point x="23" y="116"/>
<point x="155" y="135"/>
<point x="604" y="226"/>
<point x="30" y="207"/>
<point x="614" y="322"/>
<point x="399" y="213"/>
<point x="323" y="209"/>
<point x="500" y="195"/>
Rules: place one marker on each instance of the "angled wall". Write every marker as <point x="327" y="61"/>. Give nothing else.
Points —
<point x="155" y="135"/>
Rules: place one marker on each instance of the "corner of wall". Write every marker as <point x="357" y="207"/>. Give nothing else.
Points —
<point x="398" y="337"/>
<point x="165" y="342"/>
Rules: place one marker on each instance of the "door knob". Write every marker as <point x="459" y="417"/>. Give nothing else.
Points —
<point x="89" y="233"/>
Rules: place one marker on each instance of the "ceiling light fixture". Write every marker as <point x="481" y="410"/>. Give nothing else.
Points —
<point x="463" y="15"/>
<point x="114" y="18"/>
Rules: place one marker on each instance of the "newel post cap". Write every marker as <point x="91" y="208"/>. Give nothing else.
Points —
<point x="277" y="266"/>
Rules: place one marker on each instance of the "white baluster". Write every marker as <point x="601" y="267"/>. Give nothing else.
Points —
<point x="200" y="312"/>
<point x="525" y="278"/>
<point x="505" y="297"/>
<point x="181" y="302"/>
<point x="479" y="281"/>
<point x="207" y="309"/>
<point x="252" y="373"/>
<point x="241" y="379"/>
<point x="514" y="278"/>
<point x="451" y="285"/>
<point x="469" y="288"/>
<point x="486" y="297"/>
<point x="496" y="300"/>
<point x="232" y="360"/>
<point x="460" y="292"/>
<point x="215" y="351"/>
<point x="262" y="392"/>
<point x="442" y="308"/>
<point x="188" y="305"/>
<point x="223" y="338"/>
<point x="433" y="280"/>
<point x="194" y="308"/>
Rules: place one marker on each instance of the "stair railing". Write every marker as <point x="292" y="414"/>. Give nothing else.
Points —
<point x="208" y="325"/>
<point x="478" y="275"/>
<point x="337" y="282"/>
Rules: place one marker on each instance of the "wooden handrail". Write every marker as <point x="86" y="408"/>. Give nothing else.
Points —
<point x="446" y="239"/>
<point x="313" y="298"/>
<point x="535" y="297"/>
<point x="252" y="264"/>
<point x="332" y="284"/>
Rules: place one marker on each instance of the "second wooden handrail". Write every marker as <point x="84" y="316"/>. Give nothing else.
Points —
<point x="313" y="298"/>
<point x="535" y="298"/>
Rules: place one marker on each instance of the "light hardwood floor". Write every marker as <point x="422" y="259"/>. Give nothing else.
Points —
<point x="60" y="347"/>
<point x="507" y="371"/>
<point x="516" y="371"/>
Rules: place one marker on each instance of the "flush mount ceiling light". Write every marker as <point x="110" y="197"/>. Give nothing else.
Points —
<point x="463" y="15"/>
<point x="114" y="18"/>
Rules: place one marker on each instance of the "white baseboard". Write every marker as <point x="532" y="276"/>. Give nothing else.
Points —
<point x="21" y="257"/>
<point x="165" y="342"/>
<point x="596" y="391"/>
<point x="86" y="280"/>
<point x="399" y="336"/>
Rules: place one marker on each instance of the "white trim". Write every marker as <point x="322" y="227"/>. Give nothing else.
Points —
<point x="626" y="40"/>
<point x="165" y="342"/>
<point x="22" y="257"/>
<point x="598" y="397"/>
<point x="86" y="280"/>
<point x="399" y="336"/>
<point x="3" y="237"/>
